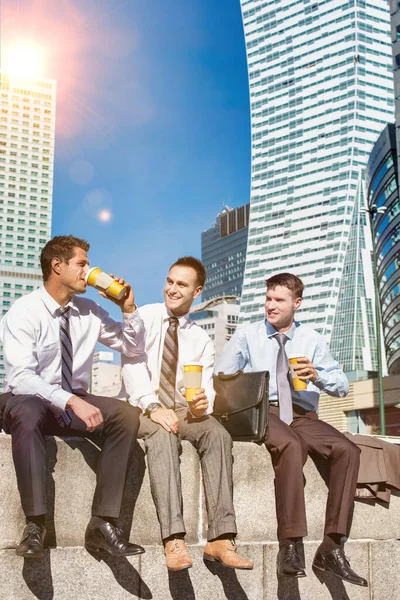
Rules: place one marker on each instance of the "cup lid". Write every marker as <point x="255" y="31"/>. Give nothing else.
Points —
<point x="89" y="271"/>
<point x="192" y="364"/>
<point x="296" y="356"/>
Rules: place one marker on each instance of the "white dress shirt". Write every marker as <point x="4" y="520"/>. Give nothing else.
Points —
<point x="194" y="346"/>
<point x="30" y="334"/>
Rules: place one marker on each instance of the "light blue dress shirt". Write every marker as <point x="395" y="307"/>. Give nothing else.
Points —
<point x="253" y="348"/>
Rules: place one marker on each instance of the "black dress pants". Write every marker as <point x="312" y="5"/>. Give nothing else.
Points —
<point x="29" y="419"/>
<point x="289" y="446"/>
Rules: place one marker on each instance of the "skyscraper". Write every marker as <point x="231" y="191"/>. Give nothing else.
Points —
<point x="223" y="252"/>
<point x="27" y="124"/>
<point x="321" y="91"/>
<point x="383" y="191"/>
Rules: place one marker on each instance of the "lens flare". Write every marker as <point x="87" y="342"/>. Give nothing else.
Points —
<point x="105" y="216"/>
<point x="24" y="59"/>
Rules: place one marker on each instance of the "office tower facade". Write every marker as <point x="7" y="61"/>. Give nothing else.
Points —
<point x="223" y="252"/>
<point x="321" y="91"/>
<point x="27" y="124"/>
<point x="383" y="191"/>
<point x="395" y="32"/>
<point x="219" y="318"/>
<point x="106" y="379"/>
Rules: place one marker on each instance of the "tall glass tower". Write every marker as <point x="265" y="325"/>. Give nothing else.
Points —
<point x="27" y="123"/>
<point x="321" y="91"/>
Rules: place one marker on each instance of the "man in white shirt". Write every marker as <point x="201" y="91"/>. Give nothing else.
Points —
<point x="49" y="338"/>
<point x="172" y="340"/>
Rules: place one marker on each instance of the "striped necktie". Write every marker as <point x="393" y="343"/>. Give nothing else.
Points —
<point x="169" y="363"/>
<point x="282" y="381"/>
<point x="65" y="417"/>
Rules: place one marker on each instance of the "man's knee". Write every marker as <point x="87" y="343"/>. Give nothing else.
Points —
<point x="124" y="414"/>
<point x="217" y="434"/>
<point x="289" y="445"/>
<point x="345" y="447"/>
<point x="27" y="412"/>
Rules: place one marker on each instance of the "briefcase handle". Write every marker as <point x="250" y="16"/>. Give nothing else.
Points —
<point x="224" y="376"/>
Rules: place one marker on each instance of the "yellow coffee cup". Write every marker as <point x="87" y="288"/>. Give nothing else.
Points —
<point x="298" y="384"/>
<point x="96" y="278"/>
<point x="192" y="374"/>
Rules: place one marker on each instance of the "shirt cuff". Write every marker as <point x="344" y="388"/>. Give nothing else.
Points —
<point x="144" y="401"/>
<point x="133" y="317"/>
<point x="60" y="397"/>
<point x="322" y="380"/>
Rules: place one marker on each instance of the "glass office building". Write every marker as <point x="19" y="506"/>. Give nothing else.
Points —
<point x="383" y="190"/>
<point x="27" y="124"/>
<point x="223" y="252"/>
<point x="321" y="91"/>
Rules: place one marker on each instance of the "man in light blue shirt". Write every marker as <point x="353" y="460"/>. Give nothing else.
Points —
<point x="294" y="427"/>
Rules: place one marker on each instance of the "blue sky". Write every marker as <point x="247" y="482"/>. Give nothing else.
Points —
<point x="152" y="124"/>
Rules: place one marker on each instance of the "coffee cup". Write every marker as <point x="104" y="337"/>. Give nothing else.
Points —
<point x="192" y="374"/>
<point x="298" y="384"/>
<point x="96" y="278"/>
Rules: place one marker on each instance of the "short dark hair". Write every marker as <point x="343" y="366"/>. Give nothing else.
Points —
<point x="62" y="247"/>
<point x="194" y="263"/>
<point x="293" y="283"/>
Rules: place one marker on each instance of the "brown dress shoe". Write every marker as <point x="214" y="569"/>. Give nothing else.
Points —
<point x="225" y="552"/>
<point x="177" y="555"/>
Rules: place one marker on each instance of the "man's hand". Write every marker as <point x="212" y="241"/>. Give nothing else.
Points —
<point x="199" y="404"/>
<point x="89" y="414"/>
<point x="306" y="370"/>
<point x="127" y="303"/>
<point x="166" y="417"/>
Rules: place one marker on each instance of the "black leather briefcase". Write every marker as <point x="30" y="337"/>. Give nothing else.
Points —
<point x="241" y="405"/>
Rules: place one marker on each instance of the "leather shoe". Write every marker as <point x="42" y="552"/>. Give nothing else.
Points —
<point x="108" y="537"/>
<point x="288" y="562"/>
<point x="31" y="545"/>
<point x="177" y="555"/>
<point x="335" y="561"/>
<point x="225" y="552"/>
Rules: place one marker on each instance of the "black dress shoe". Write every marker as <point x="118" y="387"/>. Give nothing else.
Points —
<point x="31" y="545"/>
<point x="288" y="562"/>
<point x="335" y="561"/>
<point x="108" y="537"/>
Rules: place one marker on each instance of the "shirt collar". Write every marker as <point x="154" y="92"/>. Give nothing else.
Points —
<point x="51" y="304"/>
<point x="183" y="320"/>
<point x="271" y="331"/>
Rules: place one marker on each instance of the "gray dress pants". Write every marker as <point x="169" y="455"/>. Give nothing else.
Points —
<point x="163" y="449"/>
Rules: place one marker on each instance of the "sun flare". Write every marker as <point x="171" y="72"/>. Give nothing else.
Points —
<point x="24" y="59"/>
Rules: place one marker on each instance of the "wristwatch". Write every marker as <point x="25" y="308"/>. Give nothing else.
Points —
<point x="151" y="408"/>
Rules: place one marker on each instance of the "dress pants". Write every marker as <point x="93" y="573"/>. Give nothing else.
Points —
<point x="29" y="419"/>
<point x="163" y="449"/>
<point x="289" y="447"/>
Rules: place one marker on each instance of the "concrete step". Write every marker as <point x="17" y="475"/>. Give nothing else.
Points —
<point x="71" y="481"/>
<point x="73" y="574"/>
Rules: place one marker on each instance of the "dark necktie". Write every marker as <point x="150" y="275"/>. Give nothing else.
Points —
<point x="65" y="417"/>
<point x="169" y="363"/>
<point x="282" y="381"/>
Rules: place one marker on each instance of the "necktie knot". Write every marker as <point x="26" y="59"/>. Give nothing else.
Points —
<point x="64" y="312"/>
<point x="173" y="322"/>
<point x="282" y="339"/>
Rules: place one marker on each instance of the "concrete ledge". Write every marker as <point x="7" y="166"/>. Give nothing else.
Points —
<point x="71" y="481"/>
<point x="70" y="573"/>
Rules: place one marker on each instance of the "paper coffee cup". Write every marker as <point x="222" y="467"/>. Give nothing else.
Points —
<point x="298" y="384"/>
<point x="103" y="282"/>
<point x="192" y="374"/>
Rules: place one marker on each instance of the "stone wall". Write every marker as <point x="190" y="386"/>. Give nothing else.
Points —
<point x="68" y="572"/>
